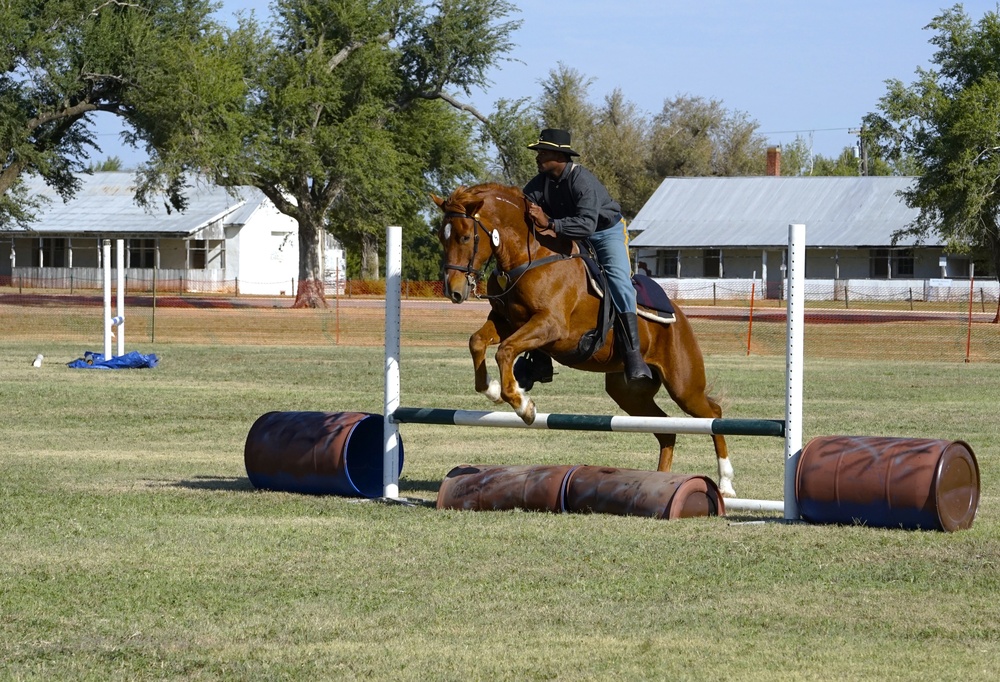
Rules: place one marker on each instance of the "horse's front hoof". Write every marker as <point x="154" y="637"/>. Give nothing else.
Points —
<point x="527" y="411"/>
<point x="726" y="488"/>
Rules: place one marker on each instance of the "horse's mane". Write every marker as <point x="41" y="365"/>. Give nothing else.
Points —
<point x="463" y="196"/>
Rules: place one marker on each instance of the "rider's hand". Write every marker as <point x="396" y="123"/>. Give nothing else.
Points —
<point x="542" y="221"/>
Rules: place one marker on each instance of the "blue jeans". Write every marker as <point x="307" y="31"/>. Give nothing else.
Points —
<point x="612" y="253"/>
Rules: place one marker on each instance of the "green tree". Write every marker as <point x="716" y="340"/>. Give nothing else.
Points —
<point x="564" y="104"/>
<point x="349" y="116"/>
<point x="797" y="157"/>
<point x="740" y="149"/>
<point x="681" y="141"/>
<point x="617" y="152"/>
<point x="510" y="129"/>
<point x="692" y="136"/>
<point x="846" y="164"/>
<point x="421" y="252"/>
<point x="948" y="120"/>
<point x="110" y="164"/>
<point x="63" y="60"/>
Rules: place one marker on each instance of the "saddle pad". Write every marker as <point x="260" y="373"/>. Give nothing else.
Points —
<point x="649" y="294"/>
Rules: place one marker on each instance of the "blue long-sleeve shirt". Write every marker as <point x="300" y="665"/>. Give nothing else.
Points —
<point x="577" y="203"/>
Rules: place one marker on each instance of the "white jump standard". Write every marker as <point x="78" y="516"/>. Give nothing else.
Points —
<point x="114" y="326"/>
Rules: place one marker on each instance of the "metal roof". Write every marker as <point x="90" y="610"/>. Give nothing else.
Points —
<point x="844" y="212"/>
<point x="105" y="205"/>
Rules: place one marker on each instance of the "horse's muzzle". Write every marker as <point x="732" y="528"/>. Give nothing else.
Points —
<point x="456" y="294"/>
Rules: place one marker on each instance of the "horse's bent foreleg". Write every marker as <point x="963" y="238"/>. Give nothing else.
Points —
<point x="478" y="343"/>
<point x="510" y="391"/>
<point x="538" y="332"/>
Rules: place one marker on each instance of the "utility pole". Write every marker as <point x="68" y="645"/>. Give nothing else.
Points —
<point x="862" y="151"/>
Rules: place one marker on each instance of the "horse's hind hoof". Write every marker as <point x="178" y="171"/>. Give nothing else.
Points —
<point x="493" y="393"/>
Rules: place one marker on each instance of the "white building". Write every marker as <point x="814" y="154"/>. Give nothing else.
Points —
<point x="220" y="243"/>
<point x="709" y="233"/>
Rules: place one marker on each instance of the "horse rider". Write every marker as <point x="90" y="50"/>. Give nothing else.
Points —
<point x="568" y="199"/>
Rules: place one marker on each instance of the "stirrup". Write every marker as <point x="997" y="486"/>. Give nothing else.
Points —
<point x="527" y="372"/>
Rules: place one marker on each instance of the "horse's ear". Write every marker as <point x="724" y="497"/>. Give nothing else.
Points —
<point x="473" y="208"/>
<point x="438" y="200"/>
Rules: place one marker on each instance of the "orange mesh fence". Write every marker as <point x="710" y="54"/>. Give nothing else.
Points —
<point x="862" y="327"/>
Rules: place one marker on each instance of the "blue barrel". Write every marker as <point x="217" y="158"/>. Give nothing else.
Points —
<point x="318" y="453"/>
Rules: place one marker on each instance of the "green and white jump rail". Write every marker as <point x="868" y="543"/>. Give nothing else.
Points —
<point x="591" y="422"/>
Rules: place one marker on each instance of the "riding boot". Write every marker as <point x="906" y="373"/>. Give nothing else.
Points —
<point x="627" y="337"/>
<point x="531" y="367"/>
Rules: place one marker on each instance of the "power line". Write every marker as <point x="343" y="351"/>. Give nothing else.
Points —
<point x="806" y="130"/>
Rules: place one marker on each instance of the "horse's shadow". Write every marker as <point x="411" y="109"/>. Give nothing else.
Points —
<point x="243" y="484"/>
<point x="215" y="483"/>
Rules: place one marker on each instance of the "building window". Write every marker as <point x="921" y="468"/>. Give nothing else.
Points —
<point x="142" y="253"/>
<point x="958" y="267"/>
<point x="712" y="263"/>
<point x="668" y="263"/>
<point x="889" y="263"/>
<point x="878" y="267"/>
<point x="197" y="254"/>
<point x="53" y="253"/>
<point x="902" y="263"/>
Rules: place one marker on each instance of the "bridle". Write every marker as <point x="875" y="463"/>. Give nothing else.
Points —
<point x="471" y="274"/>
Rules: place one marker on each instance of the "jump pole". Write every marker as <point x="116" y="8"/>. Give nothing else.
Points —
<point x="118" y="321"/>
<point x="790" y="428"/>
<point x="393" y="288"/>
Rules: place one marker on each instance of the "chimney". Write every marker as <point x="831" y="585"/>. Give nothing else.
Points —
<point x="774" y="161"/>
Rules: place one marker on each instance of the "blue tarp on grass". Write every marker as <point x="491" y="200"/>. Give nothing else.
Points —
<point x="131" y="360"/>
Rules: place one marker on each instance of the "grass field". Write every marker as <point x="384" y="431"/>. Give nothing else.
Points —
<point x="135" y="548"/>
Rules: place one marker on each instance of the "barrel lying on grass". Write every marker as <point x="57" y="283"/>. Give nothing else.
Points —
<point x="888" y="482"/>
<point x="625" y="492"/>
<point x="319" y="453"/>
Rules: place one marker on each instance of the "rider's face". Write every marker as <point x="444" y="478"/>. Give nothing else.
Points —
<point x="550" y="162"/>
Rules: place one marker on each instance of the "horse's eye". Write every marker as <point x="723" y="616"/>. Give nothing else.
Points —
<point x="465" y="239"/>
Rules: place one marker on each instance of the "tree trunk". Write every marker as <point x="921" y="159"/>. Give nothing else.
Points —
<point x="369" y="257"/>
<point x="993" y="239"/>
<point x="311" y="289"/>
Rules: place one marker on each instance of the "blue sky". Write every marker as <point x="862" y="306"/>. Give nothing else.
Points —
<point x="798" y="67"/>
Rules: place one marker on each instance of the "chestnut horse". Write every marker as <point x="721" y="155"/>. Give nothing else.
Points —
<point x="540" y="299"/>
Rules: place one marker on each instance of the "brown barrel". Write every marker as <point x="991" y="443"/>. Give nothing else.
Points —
<point x="631" y="492"/>
<point x="319" y="453"/>
<point x="888" y="482"/>
<point x="484" y="488"/>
